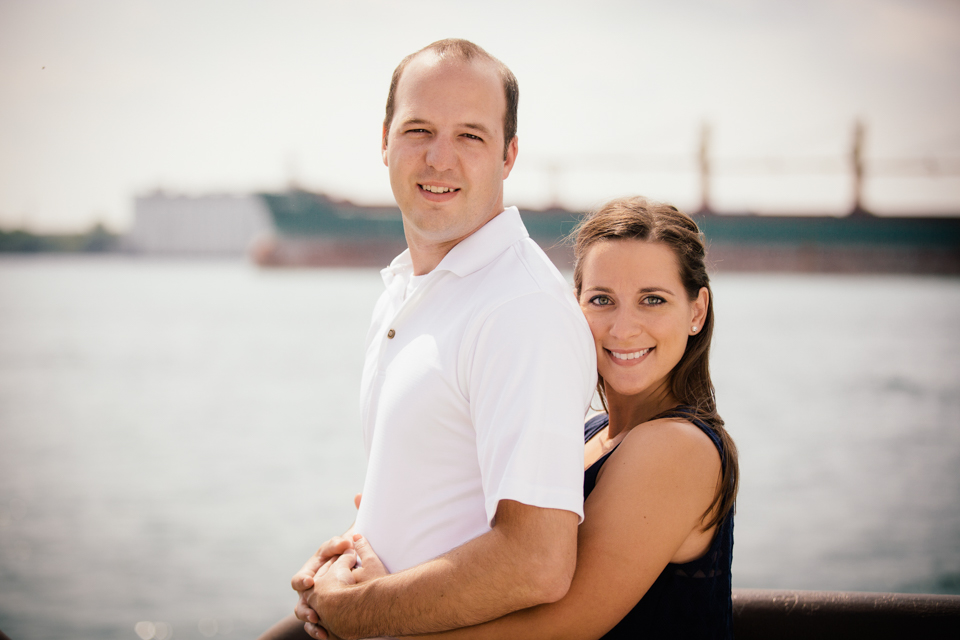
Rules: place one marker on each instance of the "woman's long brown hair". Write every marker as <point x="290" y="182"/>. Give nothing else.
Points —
<point x="637" y="218"/>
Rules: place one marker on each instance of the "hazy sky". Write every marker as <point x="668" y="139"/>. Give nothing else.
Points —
<point x="103" y="100"/>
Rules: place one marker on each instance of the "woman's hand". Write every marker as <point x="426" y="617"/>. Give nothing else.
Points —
<point x="368" y="566"/>
<point x="318" y="564"/>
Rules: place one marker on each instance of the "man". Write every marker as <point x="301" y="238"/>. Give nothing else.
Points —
<point x="478" y="372"/>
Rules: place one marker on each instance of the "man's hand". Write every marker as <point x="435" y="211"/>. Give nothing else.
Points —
<point x="527" y="558"/>
<point x="303" y="581"/>
<point x="337" y="575"/>
<point x="302" y="610"/>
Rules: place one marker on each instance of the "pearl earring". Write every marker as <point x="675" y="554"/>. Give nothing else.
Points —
<point x="694" y="329"/>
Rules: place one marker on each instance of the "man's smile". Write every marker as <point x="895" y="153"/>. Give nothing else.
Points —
<point x="433" y="189"/>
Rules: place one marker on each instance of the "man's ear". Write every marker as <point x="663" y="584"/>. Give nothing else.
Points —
<point x="383" y="145"/>
<point x="511" y="156"/>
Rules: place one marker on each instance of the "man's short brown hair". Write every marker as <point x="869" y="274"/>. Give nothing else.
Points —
<point x="464" y="50"/>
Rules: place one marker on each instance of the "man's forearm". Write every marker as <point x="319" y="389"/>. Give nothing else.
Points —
<point x="527" y="559"/>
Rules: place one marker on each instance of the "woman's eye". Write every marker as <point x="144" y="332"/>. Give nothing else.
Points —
<point x="653" y="300"/>
<point x="601" y="300"/>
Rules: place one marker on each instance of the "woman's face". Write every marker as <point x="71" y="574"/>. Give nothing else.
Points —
<point x="638" y="312"/>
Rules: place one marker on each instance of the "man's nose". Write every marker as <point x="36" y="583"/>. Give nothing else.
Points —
<point x="441" y="154"/>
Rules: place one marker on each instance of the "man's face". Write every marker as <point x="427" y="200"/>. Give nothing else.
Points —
<point x="445" y="149"/>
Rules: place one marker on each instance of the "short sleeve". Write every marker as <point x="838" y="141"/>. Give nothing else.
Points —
<point x="530" y="380"/>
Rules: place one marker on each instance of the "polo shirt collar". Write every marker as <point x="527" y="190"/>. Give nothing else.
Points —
<point x="474" y="252"/>
<point x="400" y="265"/>
<point x="486" y="243"/>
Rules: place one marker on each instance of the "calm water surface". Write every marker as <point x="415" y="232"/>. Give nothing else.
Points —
<point x="177" y="437"/>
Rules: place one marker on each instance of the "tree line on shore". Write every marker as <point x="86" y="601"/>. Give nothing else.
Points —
<point x="97" y="239"/>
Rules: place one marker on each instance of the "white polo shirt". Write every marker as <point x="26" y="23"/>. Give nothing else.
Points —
<point x="474" y="390"/>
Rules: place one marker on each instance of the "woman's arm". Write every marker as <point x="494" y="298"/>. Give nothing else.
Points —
<point x="648" y="501"/>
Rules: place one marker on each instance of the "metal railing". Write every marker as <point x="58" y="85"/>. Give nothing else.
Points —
<point x="785" y="614"/>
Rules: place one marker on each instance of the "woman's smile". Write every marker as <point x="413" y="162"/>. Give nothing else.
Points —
<point x="628" y="358"/>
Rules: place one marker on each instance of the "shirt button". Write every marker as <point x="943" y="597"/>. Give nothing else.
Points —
<point x="391" y="333"/>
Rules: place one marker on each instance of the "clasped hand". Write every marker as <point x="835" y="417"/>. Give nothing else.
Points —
<point x="331" y="571"/>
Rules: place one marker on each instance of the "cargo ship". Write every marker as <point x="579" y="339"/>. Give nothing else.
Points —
<point x="312" y="229"/>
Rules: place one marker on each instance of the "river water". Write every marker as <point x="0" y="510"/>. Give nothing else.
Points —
<point x="176" y="437"/>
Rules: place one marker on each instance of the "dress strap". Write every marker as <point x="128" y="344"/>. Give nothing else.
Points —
<point x="594" y="425"/>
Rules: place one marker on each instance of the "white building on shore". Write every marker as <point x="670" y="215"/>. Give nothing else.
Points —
<point x="213" y="225"/>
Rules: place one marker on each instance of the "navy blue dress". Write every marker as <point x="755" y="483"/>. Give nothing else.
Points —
<point x="690" y="600"/>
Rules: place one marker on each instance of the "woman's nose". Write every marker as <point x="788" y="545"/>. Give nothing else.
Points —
<point x="626" y="324"/>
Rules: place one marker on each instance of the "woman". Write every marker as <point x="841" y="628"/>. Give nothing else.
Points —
<point x="655" y="547"/>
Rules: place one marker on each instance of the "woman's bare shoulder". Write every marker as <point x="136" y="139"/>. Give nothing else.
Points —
<point x="672" y="443"/>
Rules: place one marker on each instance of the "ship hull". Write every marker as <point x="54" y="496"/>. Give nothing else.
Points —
<point x="311" y="230"/>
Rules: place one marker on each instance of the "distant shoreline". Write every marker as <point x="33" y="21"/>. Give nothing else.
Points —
<point x="98" y="239"/>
